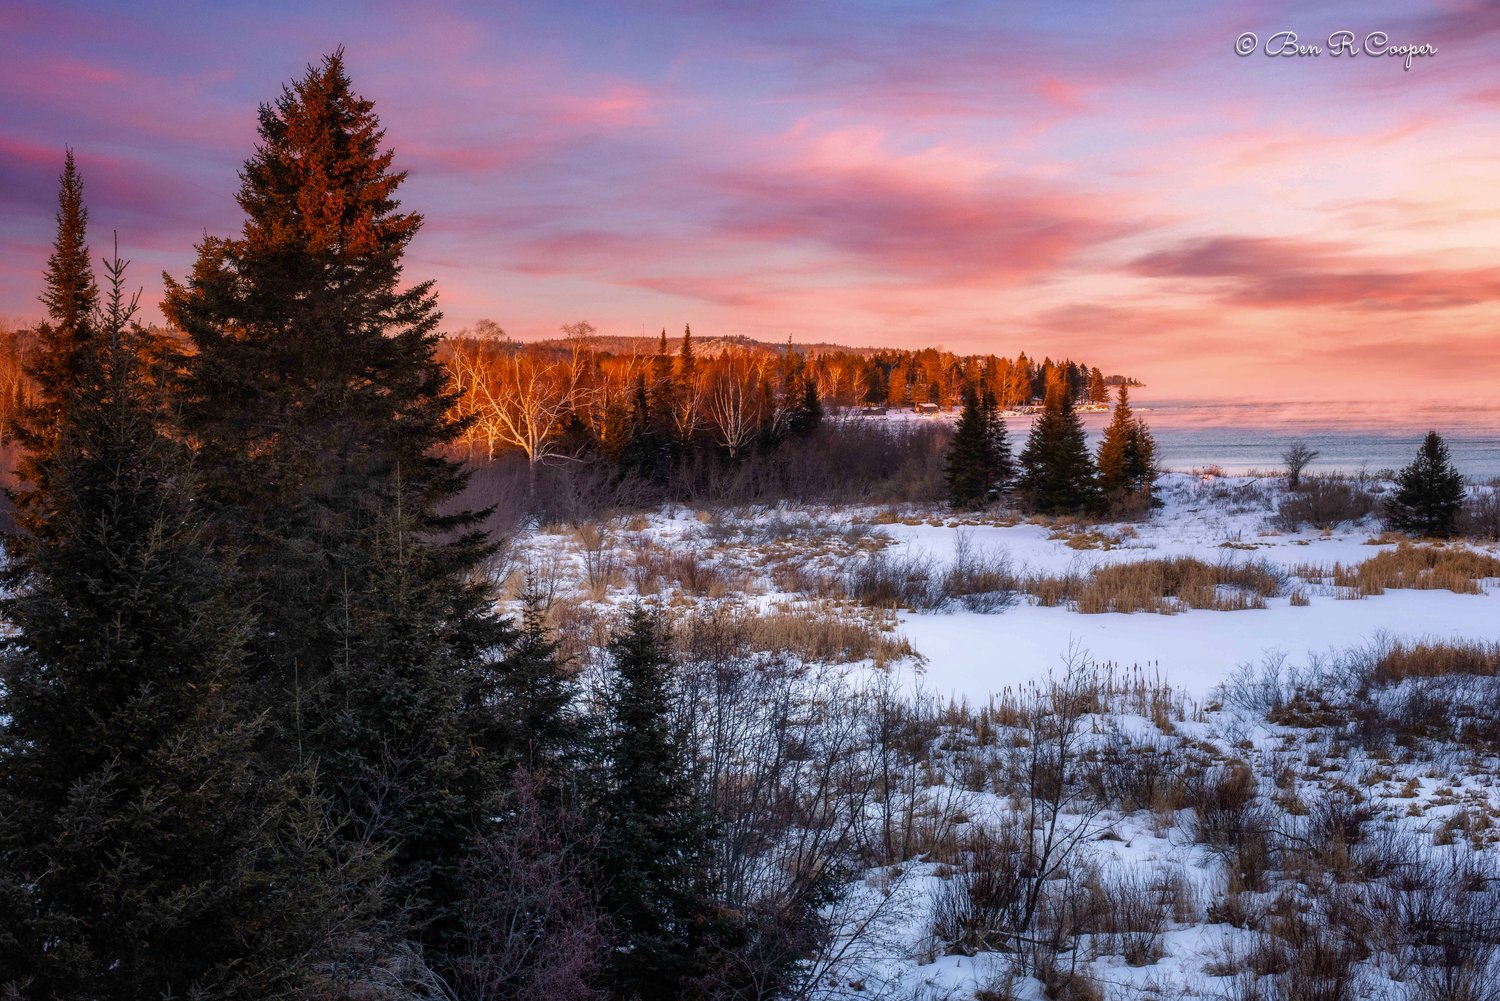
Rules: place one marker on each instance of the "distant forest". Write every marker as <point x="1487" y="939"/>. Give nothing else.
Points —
<point x="589" y="395"/>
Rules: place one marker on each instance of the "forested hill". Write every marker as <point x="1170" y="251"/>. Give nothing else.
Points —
<point x="842" y="375"/>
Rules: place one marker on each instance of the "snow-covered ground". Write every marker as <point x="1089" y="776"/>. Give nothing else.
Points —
<point x="968" y="655"/>
<point x="1213" y="519"/>
<point x="1426" y="809"/>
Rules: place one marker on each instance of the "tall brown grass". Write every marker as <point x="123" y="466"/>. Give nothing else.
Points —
<point x="1453" y="568"/>
<point x="1165" y="586"/>
<point x="1431" y="659"/>
<point x="821" y="632"/>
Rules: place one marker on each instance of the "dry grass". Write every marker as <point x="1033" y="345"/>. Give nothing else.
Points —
<point x="822" y="632"/>
<point x="1434" y="660"/>
<point x="1165" y="586"/>
<point x="1081" y="538"/>
<point x="1453" y="568"/>
<point x="653" y="568"/>
<point x="828" y="634"/>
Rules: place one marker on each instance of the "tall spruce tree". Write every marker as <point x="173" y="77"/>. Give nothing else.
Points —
<point x="1127" y="454"/>
<point x="978" y="462"/>
<point x="64" y="342"/>
<point x="664" y="398"/>
<point x="655" y="868"/>
<point x="537" y="695"/>
<point x="1002" y="463"/>
<point x="1057" y="472"/>
<point x="71" y="293"/>
<point x="403" y="743"/>
<point x="136" y="837"/>
<point x="320" y="413"/>
<point x="808" y="416"/>
<point x="314" y="378"/>
<point x="641" y="453"/>
<point x="1429" y="493"/>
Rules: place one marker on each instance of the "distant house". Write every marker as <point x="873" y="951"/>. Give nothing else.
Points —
<point x="925" y="409"/>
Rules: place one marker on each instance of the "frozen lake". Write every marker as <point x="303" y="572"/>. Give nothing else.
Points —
<point x="1349" y="436"/>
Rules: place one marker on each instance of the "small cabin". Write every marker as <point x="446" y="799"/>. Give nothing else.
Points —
<point x="925" y="409"/>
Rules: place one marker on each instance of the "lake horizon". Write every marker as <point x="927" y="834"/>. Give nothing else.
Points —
<point x="1351" y="436"/>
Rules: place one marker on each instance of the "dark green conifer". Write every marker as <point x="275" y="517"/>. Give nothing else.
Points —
<point x="71" y="293"/>
<point x="1429" y="493"/>
<point x="402" y="725"/>
<point x="314" y="378"/>
<point x="1002" y="465"/>
<point x="1057" y="472"/>
<point x="970" y="464"/>
<point x="808" y="416"/>
<point x="655" y="833"/>
<point x="64" y="346"/>
<point x="138" y="842"/>
<point x="321" y="417"/>
<point x="641" y="448"/>
<point x="537" y="694"/>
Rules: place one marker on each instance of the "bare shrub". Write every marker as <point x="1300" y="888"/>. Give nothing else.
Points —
<point x="1446" y="917"/>
<point x="1323" y="502"/>
<point x="788" y="765"/>
<point x="1232" y="823"/>
<point x="980" y="908"/>
<point x="1480" y="517"/>
<point x="979" y="579"/>
<point x="1133" y="912"/>
<point x="1297" y="456"/>
<point x="530" y="928"/>
<point x="895" y="580"/>
<point x="1261" y="690"/>
<point x="1129" y="774"/>
<point x="1338" y="817"/>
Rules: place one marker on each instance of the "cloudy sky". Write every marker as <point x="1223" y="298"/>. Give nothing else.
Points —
<point x="1102" y="180"/>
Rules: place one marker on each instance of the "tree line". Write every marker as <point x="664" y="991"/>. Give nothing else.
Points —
<point x="649" y="414"/>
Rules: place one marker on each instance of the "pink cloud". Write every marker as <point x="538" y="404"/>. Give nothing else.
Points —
<point x="622" y="104"/>
<point x="1282" y="273"/>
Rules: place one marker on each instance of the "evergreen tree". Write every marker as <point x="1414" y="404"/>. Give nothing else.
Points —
<point x="64" y="344"/>
<point x="656" y="836"/>
<point x="1098" y="393"/>
<point x="978" y="462"/>
<point x="640" y="449"/>
<point x="136" y="838"/>
<point x="1127" y="453"/>
<point x="537" y="694"/>
<point x="1429" y="493"/>
<point x="808" y="416"/>
<point x="401" y="725"/>
<point x="1003" y="466"/>
<point x="71" y="293"/>
<point x="614" y="427"/>
<point x="314" y="378"/>
<point x="687" y="364"/>
<point x="1058" y="475"/>
<point x="321" y="413"/>
<point x="664" y="396"/>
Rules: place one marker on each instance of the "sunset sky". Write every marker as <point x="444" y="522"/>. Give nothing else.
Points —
<point x="1106" y="181"/>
